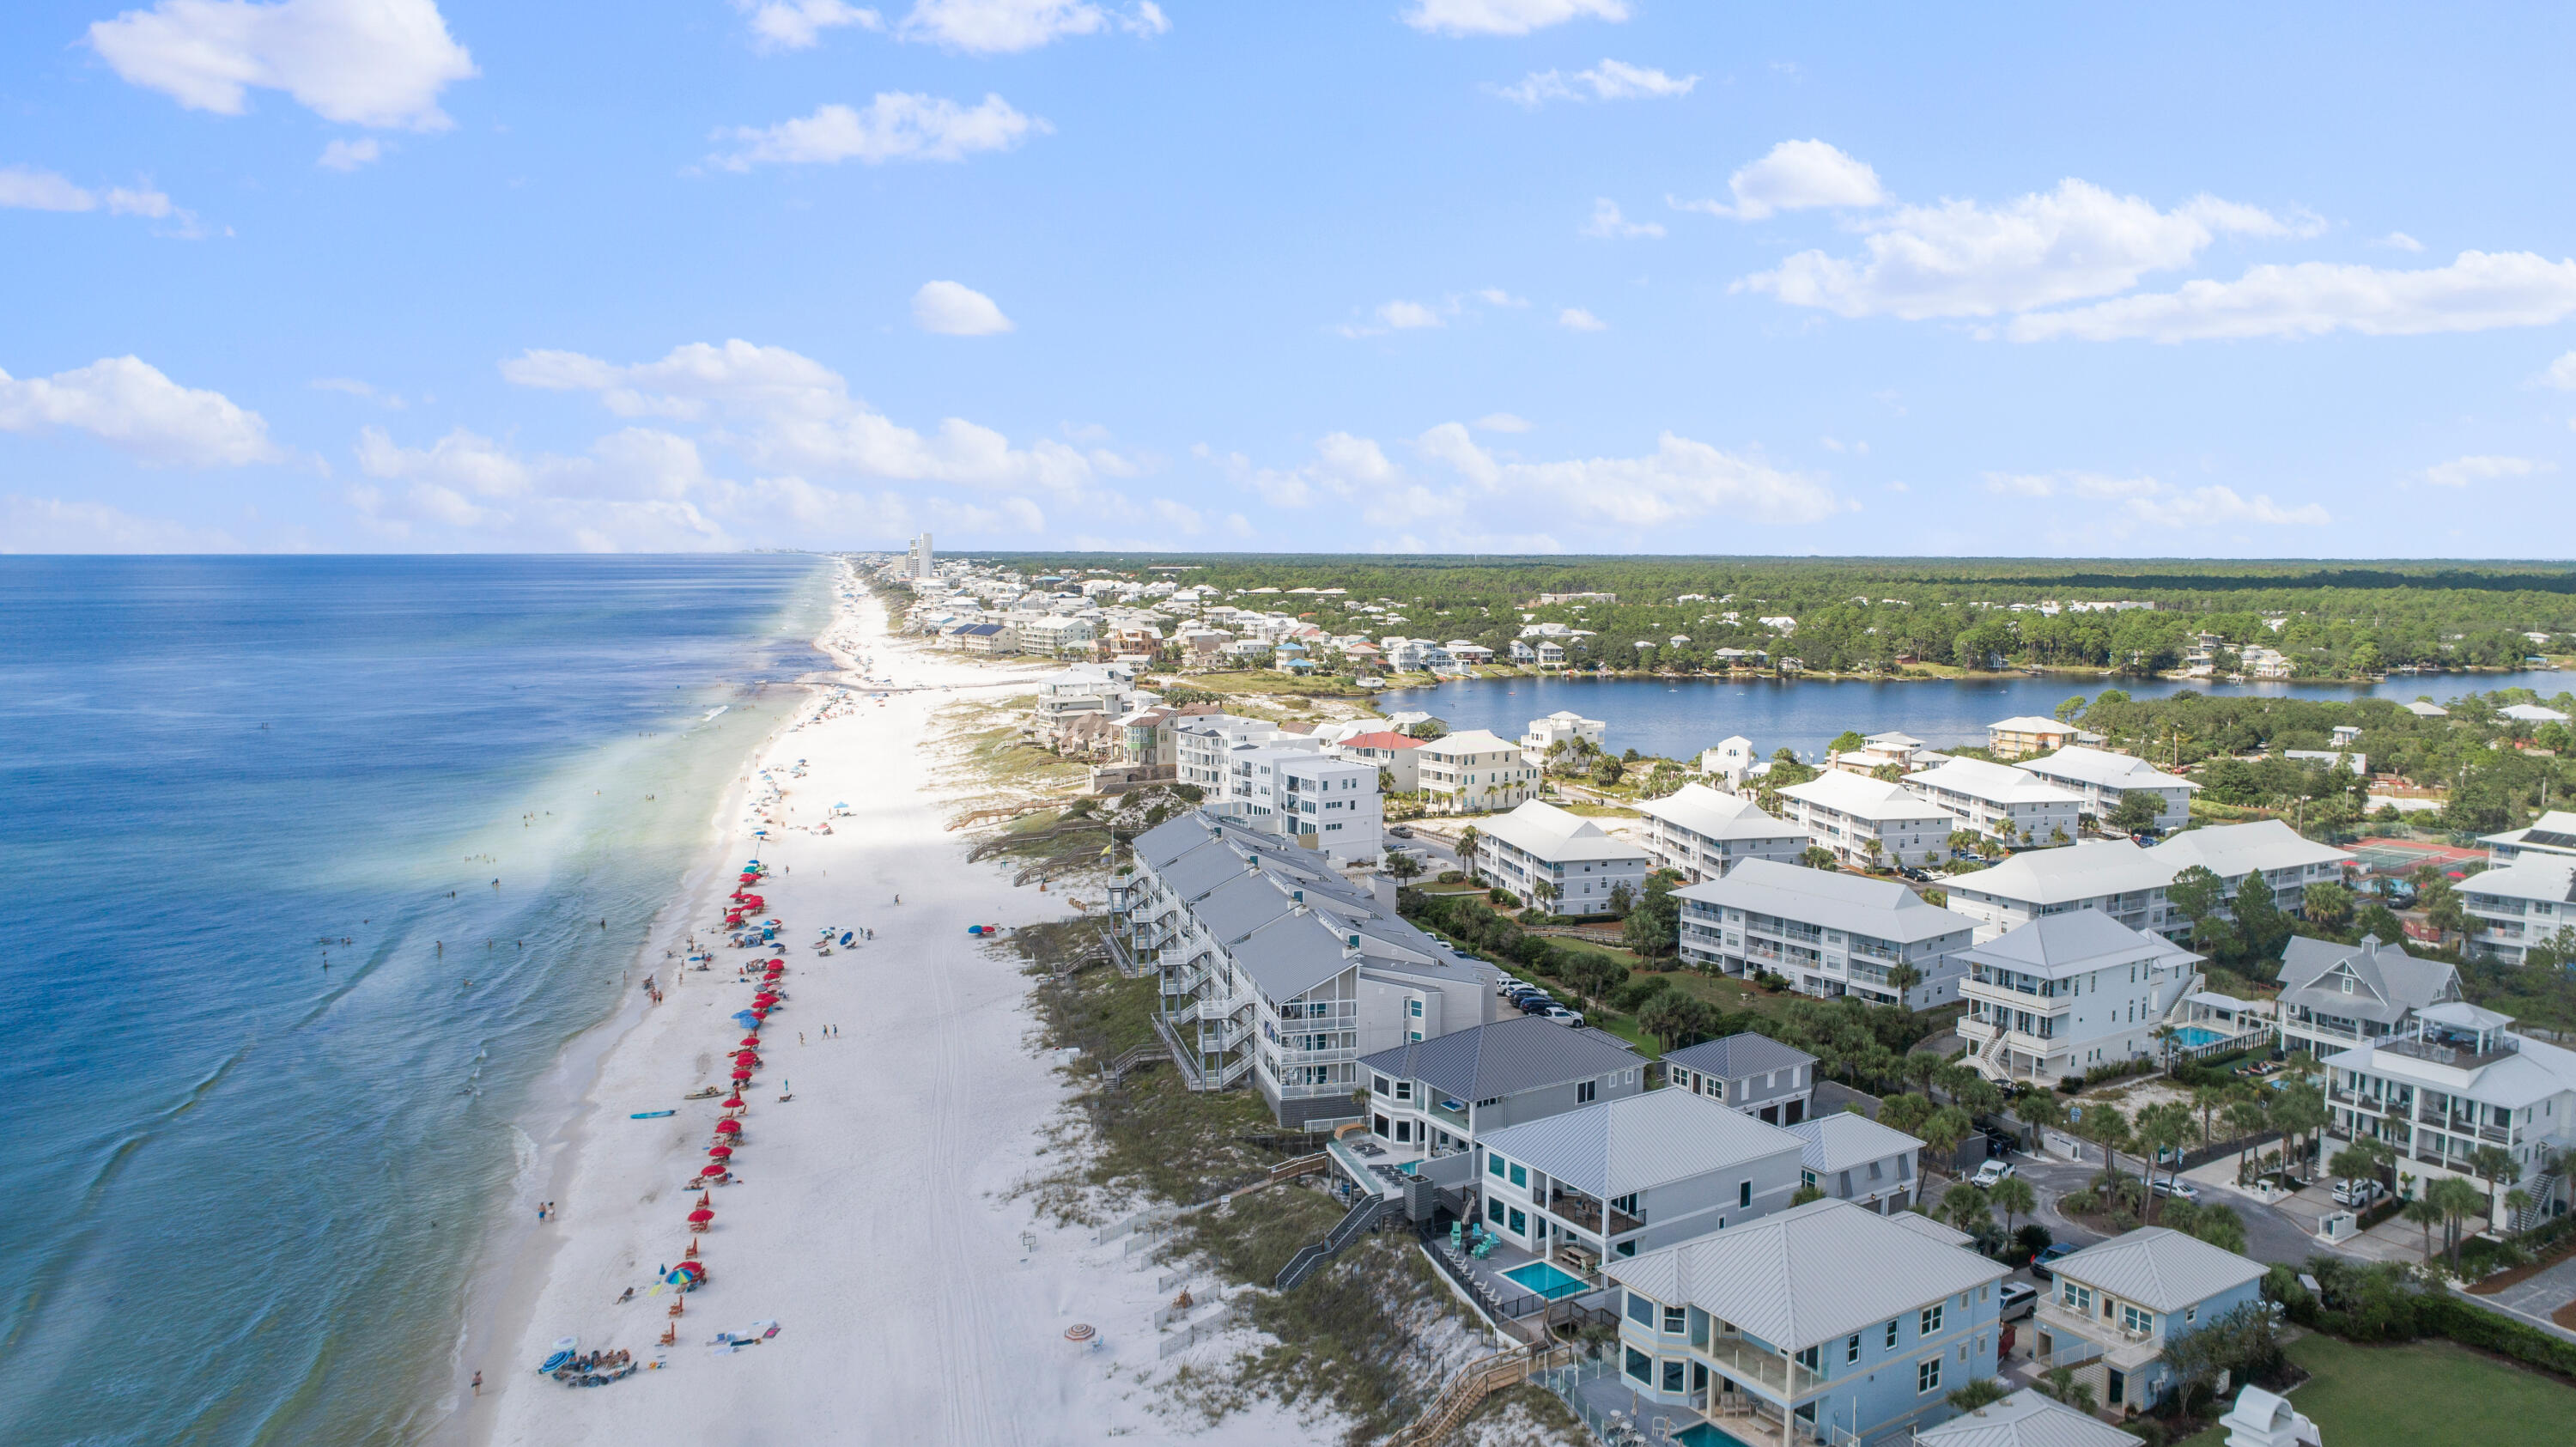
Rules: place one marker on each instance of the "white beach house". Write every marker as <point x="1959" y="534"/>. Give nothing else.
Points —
<point x="2336" y="996"/>
<point x="1869" y="821"/>
<point x="1700" y="833"/>
<point x="1473" y="772"/>
<point x="1830" y="933"/>
<point x="2069" y="993"/>
<point x="1436" y="1097"/>
<point x="2104" y="779"/>
<point x="2129" y="883"/>
<point x="1567" y="862"/>
<point x="2011" y="806"/>
<point x="2552" y="833"/>
<point x="2460" y="1079"/>
<point x="2526" y="902"/>
<point x="1561" y="727"/>
<point x="1852" y="1158"/>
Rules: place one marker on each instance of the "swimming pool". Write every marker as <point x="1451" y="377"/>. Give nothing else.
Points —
<point x="1704" y="1434"/>
<point x="1545" y="1279"/>
<point x="2194" y="1036"/>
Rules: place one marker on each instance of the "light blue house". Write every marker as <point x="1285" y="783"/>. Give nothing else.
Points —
<point x="1827" y="1322"/>
<point x="2117" y="1304"/>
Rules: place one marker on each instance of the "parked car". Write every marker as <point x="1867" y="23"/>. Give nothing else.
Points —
<point x="1535" y="1004"/>
<point x="2043" y="1265"/>
<point x="1564" y="1016"/>
<point x="2358" y="1193"/>
<point x="2178" y="1189"/>
<point x="1991" y="1172"/>
<point x="1399" y="832"/>
<point x="2001" y="1142"/>
<point x="2020" y="1299"/>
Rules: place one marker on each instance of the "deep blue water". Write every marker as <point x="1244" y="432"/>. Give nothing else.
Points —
<point x="1677" y="719"/>
<point x="249" y="1189"/>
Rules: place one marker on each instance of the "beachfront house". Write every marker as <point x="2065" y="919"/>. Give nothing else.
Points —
<point x="1852" y="1158"/>
<point x="1830" y="933"/>
<point x="2113" y="1306"/>
<point x="1436" y="1097"/>
<point x="1901" y="752"/>
<point x="2069" y="993"/>
<point x="2459" y="1079"/>
<point x="2335" y="996"/>
<point x="1330" y="805"/>
<point x="2029" y="734"/>
<point x="2528" y="902"/>
<point x="2010" y="806"/>
<point x="1623" y="1176"/>
<point x="1474" y="772"/>
<point x="2128" y="882"/>
<point x="2552" y="833"/>
<point x="1564" y="726"/>
<point x="1827" y="1322"/>
<point x="988" y="639"/>
<point x="1565" y="862"/>
<point x="1700" y="833"/>
<point x="1731" y="762"/>
<point x="1869" y="822"/>
<point x="1086" y="690"/>
<point x="1276" y="972"/>
<point x="1398" y="754"/>
<point x="2029" y="1418"/>
<point x="1203" y="745"/>
<point x="1755" y="1074"/>
<point x="2104" y="779"/>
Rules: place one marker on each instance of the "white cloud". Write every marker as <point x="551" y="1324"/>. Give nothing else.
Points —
<point x="896" y="126"/>
<point x="1506" y="17"/>
<point x="2561" y="374"/>
<point x="344" y="155"/>
<point x="995" y="27"/>
<point x="1960" y="259"/>
<point x="2399" y="241"/>
<point x="29" y="189"/>
<point x="360" y="62"/>
<point x="1576" y="319"/>
<point x="952" y="310"/>
<point x="352" y="387"/>
<point x="786" y="411"/>
<point x="130" y="405"/>
<point x="1496" y="296"/>
<point x="1610" y="80"/>
<point x="2478" y="292"/>
<point x="1608" y="223"/>
<point x="2461" y="471"/>
<point x="1795" y="176"/>
<point x="54" y="525"/>
<point x="2088" y="485"/>
<point x="799" y="24"/>
<point x="1396" y="316"/>
<point x="1500" y="422"/>
<point x="2144" y="500"/>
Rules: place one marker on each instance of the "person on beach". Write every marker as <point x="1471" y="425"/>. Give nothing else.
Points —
<point x="478" y="1384"/>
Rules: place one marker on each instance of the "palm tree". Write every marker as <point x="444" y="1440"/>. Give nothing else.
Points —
<point x="2457" y="1200"/>
<point x="2013" y="1196"/>
<point x="2248" y="1118"/>
<point x="1467" y="838"/>
<point x="2105" y="1127"/>
<point x="2424" y="1213"/>
<point x="1942" y="1131"/>
<point x="1964" y="1205"/>
<point x="2161" y="1128"/>
<point x="2494" y="1165"/>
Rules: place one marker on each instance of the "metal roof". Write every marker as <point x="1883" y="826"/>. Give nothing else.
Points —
<point x="1880" y="908"/>
<point x="1505" y="1058"/>
<point x="2024" y="1419"/>
<point x="2159" y="1269"/>
<point x="2062" y="944"/>
<point x="1994" y="783"/>
<point x="1555" y="836"/>
<point x="2391" y="981"/>
<point x="1639" y="1142"/>
<point x="1738" y="1055"/>
<point x="2098" y="766"/>
<point x="2231" y="850"/>
<point x="1811" y="1274"/>
<point x="1840" y="1142"/>
<point x="1872" y="799"/>
<point x="2062" y="876"/>
<point x="1711" y="814"/>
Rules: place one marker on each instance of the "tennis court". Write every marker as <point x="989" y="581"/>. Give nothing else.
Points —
<point x="2403" y="856"/>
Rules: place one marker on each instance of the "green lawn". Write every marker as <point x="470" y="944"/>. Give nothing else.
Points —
<point x="2423" y="1394"/>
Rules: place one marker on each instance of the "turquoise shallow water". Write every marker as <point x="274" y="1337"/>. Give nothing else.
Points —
<point x="251" y="1188"/>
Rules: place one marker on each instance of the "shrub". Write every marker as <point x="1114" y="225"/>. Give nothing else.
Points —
<point x="1453" y="876"/>
<point x="1503" y="897"/>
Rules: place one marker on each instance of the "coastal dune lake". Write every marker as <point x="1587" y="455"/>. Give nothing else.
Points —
<point x="1676" y="718"/>
<point x="250" y="1191"/>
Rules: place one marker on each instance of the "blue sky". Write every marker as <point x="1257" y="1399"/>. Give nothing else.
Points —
<point x="1448" y="275"/>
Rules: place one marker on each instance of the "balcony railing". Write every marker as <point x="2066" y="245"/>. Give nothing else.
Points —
<point x="1763" y="1369"/>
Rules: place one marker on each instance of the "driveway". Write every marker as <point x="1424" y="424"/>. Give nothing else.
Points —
<point x="2535" y="1297"/>
<point x="2270" y="1233"/>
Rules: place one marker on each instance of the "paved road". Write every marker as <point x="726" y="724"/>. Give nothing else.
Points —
<point x="2269" y="1234"/>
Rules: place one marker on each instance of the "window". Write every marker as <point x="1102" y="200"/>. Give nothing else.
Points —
<point x="2078" y="1299"/>
<point x="1520" y="1175"/>
<point x="1675" y="1319"/>
<point x="1494" y="1212"/>
<point x="1744" y="1193"/>
<point x="1585" y="1090"/>
<point x="1891" y="1336"/>
<point x="2132" y="1319"/>
<point x="1520" y="1224"/>
<point x="1927" y="1375"/>
<point x="1851" y="1348"/>
<point x="1641" y="1366"/>
<point x="1673" y="1376"/>
<point x="1812" y="1358"/>
<point x="1413" y="1008"/>
<point x="1930" y="1325"/>
<point x="1640" y="1310"/>
<point x="1493" y="1164"/>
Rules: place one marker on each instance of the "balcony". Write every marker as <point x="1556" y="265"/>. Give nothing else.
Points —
<point x="2124" y="1350"/>
<point x="1584" y="1210"/>
<point x="2439" y="1052"/>
<point x="1761" y="1368"/>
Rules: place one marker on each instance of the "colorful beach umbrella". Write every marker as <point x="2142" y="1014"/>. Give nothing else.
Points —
<point x="701" y="1216"/>
<point x="728" y="1127"/>
<point x="719" y="1152"/>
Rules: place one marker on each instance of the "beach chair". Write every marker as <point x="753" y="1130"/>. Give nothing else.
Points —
<point x="1457" y="1234"/>
<point x="1485" y="1247"/>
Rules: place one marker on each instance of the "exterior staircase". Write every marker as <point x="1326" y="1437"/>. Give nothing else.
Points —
<point x="1311" y="1258"/>
<point x="2542" y="1189"/>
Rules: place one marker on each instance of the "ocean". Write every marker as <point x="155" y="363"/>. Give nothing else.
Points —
<point x="1676" y="718"/>
<point x="314" y="866"/>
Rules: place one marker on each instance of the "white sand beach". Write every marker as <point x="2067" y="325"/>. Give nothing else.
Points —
<point x="914" y="1303"/>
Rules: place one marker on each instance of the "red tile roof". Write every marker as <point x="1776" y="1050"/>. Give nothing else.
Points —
<point x="1387" y="740"/>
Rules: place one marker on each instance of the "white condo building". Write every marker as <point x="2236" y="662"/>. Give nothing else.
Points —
<point x="1561" y="727"/>
<point x="2461" y="1079"/>
<point x="1830" y="933"/>
<point x="2069" y="993"/>
<point x="2128" y="883"/>
<point x="1474" y="772"/>
<point x="1205" y="744"/>
<point x="1319" y="802"/>
<point x="1845" y="813"/>
<point x="2552" y="833"/>
<point x="1564" y="861"/>
<point x="1700" y="833"/>
<point x="2520" y="904"/>
<point x="2010" y="805"/>
<point x="2104" y="779"/>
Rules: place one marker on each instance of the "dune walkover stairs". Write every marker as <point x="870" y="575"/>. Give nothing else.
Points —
<point x="1363" y="1216"/>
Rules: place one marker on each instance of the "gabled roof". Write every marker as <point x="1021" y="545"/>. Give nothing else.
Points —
<point x="2529" y="876"/>
<point x="2097" y="766"/>
<point x="1472" y="741"/>
<point x="1382" y="739"/>
<point x="2230" y="850"/>
<point x="1505" y="1058"/>
<point x="2024" y="1419"/>
<point x="1713" y="814"/>
<point x="2063" y="944"/>
<point x="1639" y="1142"/>
<point x="1810" y="1274"/>
<point x="1739" y="1055"/>
<point x="1881" y="908"/>
<point x="2388" y="981"/>
<point x="2159" y="1269"/>
<point x="1842" y="1141"/>
<point x="1554" y="835"/>
<point x="2030" y="723"/>
<point x="1872" y="799"/>
<point x="2087" y="870"/>
<point x="1994" y="783"/>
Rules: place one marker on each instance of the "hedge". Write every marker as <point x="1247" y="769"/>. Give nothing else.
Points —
<point x="2476" y="1327"/>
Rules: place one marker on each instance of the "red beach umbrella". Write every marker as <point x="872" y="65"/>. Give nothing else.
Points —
<point x="728" y="1127"/>
<point x="701" y="1216"/>
<point x="749" y="1041"/>
<point x="733" y="1102"/>
<point x="719" y="1152"/>
<point x="742" y="1075"/>
<point x="711" y="1168"/>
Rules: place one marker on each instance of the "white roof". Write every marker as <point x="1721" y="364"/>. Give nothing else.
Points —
<point x="1473" y="741"/>
<point x="1810" y="1274"/>
<point x="2097" y="766"/>
<point x="2089" y="870"/>
<point x="1639" y="1142"/>
<point x="2159" y="1269"/>
<point x="1713" y="814"/>
<point x="1876" y="800"/>
<point x="2025" y="1419"/>
<point x="2230" y="850"/>
<point x="2058" y="945"/>
<point x="2030" y="723"/>
<point x="2421" y="709"/>
<point x="1842" y="1141"/>
<point x="2532" y="713"/>
<point x="2529" y="876"/>
<point x="1878" y="907"/>
<point x="2532" y="1073"/>
<point x="1550" y="833"/>
<point x="1994" y="783"/>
